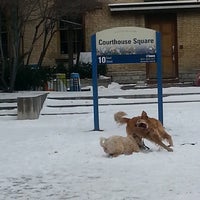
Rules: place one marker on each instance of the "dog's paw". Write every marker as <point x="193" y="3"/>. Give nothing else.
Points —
<point x="170" y="149"/>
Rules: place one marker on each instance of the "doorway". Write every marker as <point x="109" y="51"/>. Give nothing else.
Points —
<point x="166" y="25"/>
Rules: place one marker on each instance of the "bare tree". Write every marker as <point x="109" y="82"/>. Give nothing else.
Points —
<point x="17" y="13"/>
<point x="45" y="29"/>
<point x="47" y="13"/>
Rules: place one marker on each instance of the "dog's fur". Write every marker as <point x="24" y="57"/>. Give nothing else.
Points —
<point x="117" y="145"/>
<point x="131" y="127"/>
<point x="145" y="127"/>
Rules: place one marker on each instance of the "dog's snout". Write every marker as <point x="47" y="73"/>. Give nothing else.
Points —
<point x="142" y="124"/>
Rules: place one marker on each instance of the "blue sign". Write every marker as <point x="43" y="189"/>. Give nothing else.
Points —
<point x="125" y="45"/>
<point x="116" y="59"/>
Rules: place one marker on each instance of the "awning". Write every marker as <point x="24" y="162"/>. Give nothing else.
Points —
<point x="155" y="6"/>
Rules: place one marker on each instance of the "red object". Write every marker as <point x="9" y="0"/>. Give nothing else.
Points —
<point x="197" y="80"/>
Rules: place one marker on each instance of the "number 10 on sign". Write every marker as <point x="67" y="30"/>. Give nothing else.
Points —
<point x="102" y="60"/>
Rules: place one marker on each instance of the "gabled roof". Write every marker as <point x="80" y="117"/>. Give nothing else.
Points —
<point x="155" y="6"/>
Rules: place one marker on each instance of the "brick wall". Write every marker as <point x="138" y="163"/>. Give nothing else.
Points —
<point x="103" y="19"/>
<point x="188" y="29"/>
<point x="52" y="51"/>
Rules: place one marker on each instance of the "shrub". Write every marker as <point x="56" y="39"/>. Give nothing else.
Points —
<point x="29" y="78"/>
<point x="85" y="70"/>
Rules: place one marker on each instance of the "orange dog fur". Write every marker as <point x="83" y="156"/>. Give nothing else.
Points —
<point x="153" y="129"/>
<point x="131" y="128"/>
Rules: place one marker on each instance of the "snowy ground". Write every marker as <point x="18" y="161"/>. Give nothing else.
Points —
<point x="59" y="157"/>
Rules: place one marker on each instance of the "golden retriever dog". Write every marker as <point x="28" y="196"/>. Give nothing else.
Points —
<point x="156" y="124"/>
<point x="117" y="145"/>
<point x="145" y="127"/>
<point x="131" y="127"/>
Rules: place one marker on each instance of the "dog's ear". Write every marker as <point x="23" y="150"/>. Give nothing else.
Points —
<point x="144" y="115"/>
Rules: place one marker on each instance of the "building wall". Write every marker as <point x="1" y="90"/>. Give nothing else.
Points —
<point x="103" y="19"/>
<point x="188" y="29"/>
<point x="52" y="52"/>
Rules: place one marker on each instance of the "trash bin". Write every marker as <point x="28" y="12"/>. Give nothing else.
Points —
<point x="61" y="82"/>
<point x="75" y="82"/>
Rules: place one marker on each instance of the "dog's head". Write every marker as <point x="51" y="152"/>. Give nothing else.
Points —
<point x="141" y="123"/>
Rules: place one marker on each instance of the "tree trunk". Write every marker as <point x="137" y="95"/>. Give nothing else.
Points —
<point x="70" y="48"/>
<point x="15" y="36"/>
<point x="3" y="59"/>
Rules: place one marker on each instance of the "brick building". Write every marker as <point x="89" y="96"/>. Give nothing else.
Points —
<point x="178" y="22"/>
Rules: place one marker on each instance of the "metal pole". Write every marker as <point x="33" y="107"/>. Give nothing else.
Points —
<point x="95" y="84"/>
<point x="159" y="76"/>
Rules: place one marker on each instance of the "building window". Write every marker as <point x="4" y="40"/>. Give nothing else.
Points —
<point x="76" y="40"/>
<point x="70" y="32"/>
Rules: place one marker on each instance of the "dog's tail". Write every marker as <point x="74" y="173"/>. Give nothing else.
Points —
<point x="102" y="141"/>
<point x="120" y="119"/>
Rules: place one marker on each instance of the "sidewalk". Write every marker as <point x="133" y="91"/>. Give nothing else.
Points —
<point x="114" y="95"/>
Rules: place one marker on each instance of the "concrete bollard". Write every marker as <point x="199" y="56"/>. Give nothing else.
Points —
<point x="30" y="107"/>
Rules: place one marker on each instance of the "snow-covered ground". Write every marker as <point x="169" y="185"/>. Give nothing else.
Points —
<point x="59" y="157"/>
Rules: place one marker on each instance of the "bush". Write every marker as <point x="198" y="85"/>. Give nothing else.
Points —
<point x="29" y="78"/>
<point x="85" y="70"/>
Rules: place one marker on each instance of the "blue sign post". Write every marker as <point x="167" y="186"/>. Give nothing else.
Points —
<point x="95" y="84"/>
<point x="125" y="45"/>
<point x="159" y="77"/>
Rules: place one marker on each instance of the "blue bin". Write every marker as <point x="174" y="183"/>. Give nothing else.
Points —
<point x="75" y="82"/>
